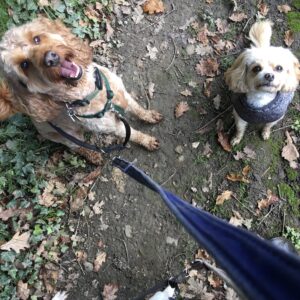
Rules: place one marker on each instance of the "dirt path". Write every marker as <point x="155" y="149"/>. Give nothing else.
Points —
<point x="143" y="243"/>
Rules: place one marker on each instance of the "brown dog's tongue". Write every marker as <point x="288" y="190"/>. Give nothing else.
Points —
<point x="69" y="69"/>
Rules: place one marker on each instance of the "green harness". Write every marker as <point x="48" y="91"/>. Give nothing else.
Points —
<point x="109" y="105"/>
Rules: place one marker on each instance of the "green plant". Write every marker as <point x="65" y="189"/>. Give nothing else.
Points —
<point x="293" y="235"/>
<point x="86" y="18"/>
<point x="296" y="125"/>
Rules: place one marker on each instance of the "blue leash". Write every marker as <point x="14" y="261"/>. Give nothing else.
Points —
<point x="259" y="269"/>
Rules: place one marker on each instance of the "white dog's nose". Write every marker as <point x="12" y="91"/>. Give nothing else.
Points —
<point x="269" y="77"/>
<point x="51" y="59"/>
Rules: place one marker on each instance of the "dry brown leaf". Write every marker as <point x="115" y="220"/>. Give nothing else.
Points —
<point x="118" y="178"/>
<point x="239" y="155"/>
<point x="223" y="139"/>
<point x="99" y="260"/>
<point x="109" y="31"/>
<point x="284" y="8"/>
<point x="207" y="87"/>
<point x="263" y="9"/>
<point x="214" y="281"/>
<point x="109" y="292"/>
<point x="91" y="177"/>
<point x="238" y="16"/>
<point x="226" y="195"/>
<point x="208" y="67"/>
<point x="17" y="243"/>
<point x="222" y="25"/>
<point x="98" y="207"/>
<point x="77" y="200"/>
<point x="181" y="108"/>
<point x="81" y="256"/>
<point x="8" y="213"/>
<point x="289" y="37"/>
<point x="289" y="151"/>
<point x="235" y="221"/>
<point x="23" y="291"/>
<point x="271" y="199"/>
<point x="49" y="275"/>
<point x="186" y="93"/>
<point x="249" y="152"/>
<point x="207" y="151"/>
<point x="153" y="7"/>
<point x="202" y="35"/>
<point x="246" y="170"/>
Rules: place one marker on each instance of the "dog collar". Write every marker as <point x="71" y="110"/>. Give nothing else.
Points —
<point x="271" y="112"/>
<point x="109" y="106"/>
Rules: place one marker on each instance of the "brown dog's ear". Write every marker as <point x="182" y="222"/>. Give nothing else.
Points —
<point x="6" y="106"/>
<point x="235" y="76"/>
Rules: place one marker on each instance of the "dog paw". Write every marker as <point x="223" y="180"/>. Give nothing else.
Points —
<point x="235" y="141"/>
<point x="93" y="157"/>
<point x="153" y="117"/>
<point x="152" y="144"/>
<point x="266" y="134"/>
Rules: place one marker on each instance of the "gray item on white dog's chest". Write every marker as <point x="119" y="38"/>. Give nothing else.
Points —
<point x="271" y="112"/>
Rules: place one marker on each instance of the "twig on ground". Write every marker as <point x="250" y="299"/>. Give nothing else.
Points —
<point x="213" y="119"/>
<point x="126" y="250"/>
<point x="145" y="92"/>
<point x="265" y="172"/>
<point x="247" y="23"/>
<point x="245" y="206"/>
<point x="170" y="177"/>
<point x="262" y="219"/>
<point x="174" y="55"/>
<point x="280" y="128"/>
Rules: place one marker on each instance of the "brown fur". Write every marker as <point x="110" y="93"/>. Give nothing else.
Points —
<point x="41" y="90"/>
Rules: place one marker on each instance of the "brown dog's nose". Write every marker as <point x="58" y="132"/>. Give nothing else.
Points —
<point x="269" y="77"/>
<point x="51" y="59"/>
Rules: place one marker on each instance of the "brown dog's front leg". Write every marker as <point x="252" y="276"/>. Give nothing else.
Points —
<point x="91" y="156"/>
<point x="6" y="106"/>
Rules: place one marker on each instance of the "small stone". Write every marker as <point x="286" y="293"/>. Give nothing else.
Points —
<point x="171" y="241"/>
<point x="194" y="190"/>
<point x="181" y="158"/>
<point x="88" y="266"/>
<point x="195" y="145"/>
<point x="179" y="149"/>
<point x="128" y="231"/>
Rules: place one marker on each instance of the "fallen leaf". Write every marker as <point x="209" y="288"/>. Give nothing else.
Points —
<point x="137" y="15"/>
<point x="249" y="152"/>
<point x="239" y="155"/>
<point x="202" y="35"/>
<point x="99" y="260"/>
<point x="192" y="84"/>
<point x="91" y="177"/>
<point x="238" y="220"/>
<point x="235" y="221"/>
<point x="214" y="281"/>
<point x="77" y="200"/>
<point x="203" y="50"/>
<point x="109" y="31"/>
<point x="207" y="151"/>
<point x="8" y="213"/>
<point x="208" y="67"/>
<point x="263" y="9"/>
<point x="43" y="3"/>
<point x="186" y="93"/>
<point x="237" y="16"/>
<point x="153" y="7"/>
<point x="49" y="275"/>
<point x="222" y="25"/>
<point x="60" y="296"/>
<point x="289" y="151"/>
<point x="81" y="256"/>
<point x="23" y="291"/>
<point x="98" y="207"/>
<point x="226" y="195"/>
<point x="223" y="139"/>
<point x="181" y="108"/>
<point x="207" y="87"/>
<point x="17" y="243"/>
<point x="118" y="178"/>
<point x="217" y="102"/>
<point x="271" y="199"/>
<point x="284" y="8"/>
<point x="152" y="52"/>
<point x="109" y="292"/>
<point x="246" y="170"/>
<point x="289" y="37"/>
<point x="237" y="177"/>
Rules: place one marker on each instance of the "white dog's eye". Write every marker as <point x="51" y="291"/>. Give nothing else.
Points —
<point x="24" y="64"/>
<point x="37" y="39"/>
<point x="278" y="68"/>
<point x="256" y="69"/>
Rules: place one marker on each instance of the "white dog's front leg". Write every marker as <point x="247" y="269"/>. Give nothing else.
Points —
<point x="241" y="126"/>
<point x="267" y="129"/>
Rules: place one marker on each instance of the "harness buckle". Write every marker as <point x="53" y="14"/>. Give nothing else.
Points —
<point x="70" y="112"/>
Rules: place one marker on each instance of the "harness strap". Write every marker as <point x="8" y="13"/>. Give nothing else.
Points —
<point x="94" y="147"/>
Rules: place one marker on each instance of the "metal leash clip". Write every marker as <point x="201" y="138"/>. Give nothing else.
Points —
<point x="71" y="112"/>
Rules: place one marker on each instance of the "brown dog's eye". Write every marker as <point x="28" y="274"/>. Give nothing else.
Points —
<point x="24" y="64"/>
<point x="37" y="39"/>
<point x="278" y="68"/>
<point x="256" y="69"/>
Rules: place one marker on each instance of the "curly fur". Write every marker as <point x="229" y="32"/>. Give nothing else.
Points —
<point x="39" y="87"/>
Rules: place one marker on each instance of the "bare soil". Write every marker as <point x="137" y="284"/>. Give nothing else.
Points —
<point x="144" y="243"/>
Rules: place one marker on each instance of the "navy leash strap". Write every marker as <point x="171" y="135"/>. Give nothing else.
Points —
<point x="107" y="150"/>
<point x="260" y="270"/>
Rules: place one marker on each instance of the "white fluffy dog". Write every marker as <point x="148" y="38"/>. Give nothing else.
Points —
<point x="266" y="78"/>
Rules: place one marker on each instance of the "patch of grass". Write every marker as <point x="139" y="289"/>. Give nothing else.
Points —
<point x="226" y="62"/>
<point x="293" y="18"/>
<point x="296" y="3"/>
<point x="286" y="192"/>
<point x="291" y="174"/>
<point x="293" y="235"/>
<point x="3" y="17"/>
<point x="86" y="18"/>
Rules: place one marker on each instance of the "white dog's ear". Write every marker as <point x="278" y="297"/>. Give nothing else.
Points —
<point x="235" y="76"/>
<point x="260" y="34"/>
<point x="292" y="80"/>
